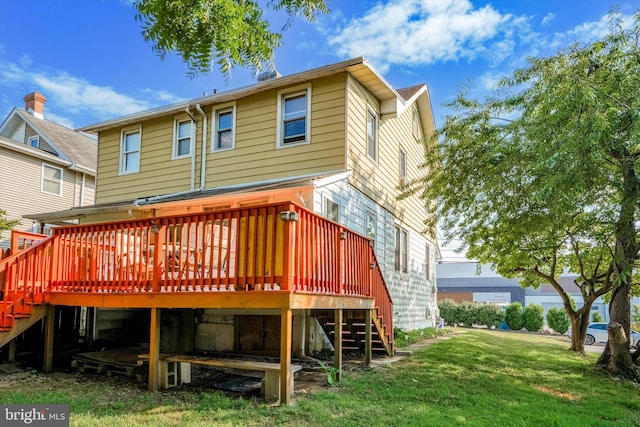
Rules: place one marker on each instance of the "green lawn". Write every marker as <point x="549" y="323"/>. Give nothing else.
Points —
<point x="479" y="378"/>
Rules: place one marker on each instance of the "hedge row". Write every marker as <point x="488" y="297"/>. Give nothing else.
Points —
<point x="469" y="313"/>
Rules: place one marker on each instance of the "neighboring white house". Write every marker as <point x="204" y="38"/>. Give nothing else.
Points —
<point x="43" y="166"/>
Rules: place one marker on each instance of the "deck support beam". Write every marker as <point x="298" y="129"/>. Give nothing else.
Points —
<point x="337" y="343"/>
<point x="49" y="332"/>
<point x="286" y="329"/>
<point x="367" y="338"/>
<point x="154" y="350"/>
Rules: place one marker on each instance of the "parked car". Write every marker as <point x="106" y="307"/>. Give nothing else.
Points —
<point x="597" y="332"/>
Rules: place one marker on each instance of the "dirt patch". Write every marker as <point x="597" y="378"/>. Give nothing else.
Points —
<point x="557" y="393"/>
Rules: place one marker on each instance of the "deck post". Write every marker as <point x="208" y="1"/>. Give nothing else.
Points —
<point x="49" y="330"/>
<point x="12" y="351"/>
<point x="337" y="342"/>
<point x="286" y="328"/>
<point x="154" y="349"/>
<point x="367" y="337"/>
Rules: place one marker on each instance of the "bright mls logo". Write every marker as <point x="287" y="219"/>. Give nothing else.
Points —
<point x="34" y="415"/>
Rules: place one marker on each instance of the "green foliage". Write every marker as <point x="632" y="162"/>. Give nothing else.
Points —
<point x="513" y="316"/>
<point x="449" y="311"/>
<point x="468" y="313"/>
<point x="490" y="315"/>
<point x="332" y="373"/>
<point x="5" y="223"/>
<point x="558" y="320"/>
<point x="225" y="32"/>
<point x="597" y="317"/>
<point x="404" y="338"/>
<point x="542" y="177"/>
<point x="533" y="317"/>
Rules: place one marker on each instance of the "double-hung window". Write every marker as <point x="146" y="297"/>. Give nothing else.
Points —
<point x="130" y="152"/>
<point x="51" y="180"/>
<point x="182" y="141"/>
<point x="223" y="136"/>
<point x="294" y="118"/>
<point x="372" y="135"/>
<point x="400" y="257"/>
<point x="331" y="210"/>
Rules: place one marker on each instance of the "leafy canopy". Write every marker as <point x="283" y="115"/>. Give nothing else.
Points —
<point x="225" y="32"/>
<point x="542" y="176"/>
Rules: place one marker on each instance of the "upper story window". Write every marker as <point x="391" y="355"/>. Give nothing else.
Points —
<point x="294" y="117"/>
<point x="51" y="180"/>
<point x="34" y="141"/>
<point x="416" y="123"/>
<point x="182" y="138"/>
<point x="130" y="152"/>
<point x="400" y="255"/>
<point x="224" y="129"/>
<point x="372" y="135"/>
<point x="403" y="166"/>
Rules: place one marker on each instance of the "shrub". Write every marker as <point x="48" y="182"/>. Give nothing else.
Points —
<point x="449" y="311"/>
<point x="533" y="317"/>
<point x="597" y="317"/>
<point x="558" y="320"/>
<point x="490" y="315"/>
<point x="514" y="316"/>
<point x="468" y="313"/>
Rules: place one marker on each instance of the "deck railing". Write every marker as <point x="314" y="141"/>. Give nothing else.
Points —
<point x="277" y="247"/>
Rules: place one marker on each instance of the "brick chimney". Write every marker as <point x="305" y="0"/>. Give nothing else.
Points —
<point x="34" y="104"/>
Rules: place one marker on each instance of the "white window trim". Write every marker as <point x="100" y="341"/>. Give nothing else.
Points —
<point x="403" y="258"/>
<point x="176" y="123"/>
<point x="123" y="134"/>
<point x="224" y="108"/>
<point x="42" y="190"/>
<point x="402" y="168"/>
<point x="416" y="123"/>
<point x="286" y="93"/>
<point x="376" y="136"/>
<point x="35" y="138"/>
<point x="325" y="211"/>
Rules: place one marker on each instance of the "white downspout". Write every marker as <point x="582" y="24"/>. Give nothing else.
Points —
<point x="203" y="157"/>
<point x="193" y="156"/>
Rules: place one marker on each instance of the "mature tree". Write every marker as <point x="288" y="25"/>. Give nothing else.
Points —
<point x="542" y="178"/>
<point x="226" y="32"/>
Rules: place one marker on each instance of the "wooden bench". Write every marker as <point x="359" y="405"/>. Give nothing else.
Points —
<point x="175" y="370"/>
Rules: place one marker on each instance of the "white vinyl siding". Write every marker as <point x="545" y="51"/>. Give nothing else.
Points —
<point x="51" y="181"/>
<point x="403" y="166"/>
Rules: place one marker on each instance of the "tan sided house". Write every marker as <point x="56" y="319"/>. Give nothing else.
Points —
<point x="263" y="219"/>
<point x="44" y="166"/>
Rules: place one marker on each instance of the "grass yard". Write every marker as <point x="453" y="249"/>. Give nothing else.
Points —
<point x="478" y="378"/>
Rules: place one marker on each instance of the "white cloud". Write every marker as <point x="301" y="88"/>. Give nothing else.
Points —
<point x="77" y="97"/>
<point x="422" y="32"/>
<point x="550" y="17"/>
<point x="587" y="32"/>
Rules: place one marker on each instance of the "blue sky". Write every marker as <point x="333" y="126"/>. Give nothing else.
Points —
<point x="90" y="61"/>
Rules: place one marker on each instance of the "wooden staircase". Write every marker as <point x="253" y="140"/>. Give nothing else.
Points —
<point x="22" y="296"/>
<point x="353" y="331"/>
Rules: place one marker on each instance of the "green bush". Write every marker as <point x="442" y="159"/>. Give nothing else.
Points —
<point x="558" y="320"/>
<point x="490" y="315"/>
<point x="468" y="313"/>
<point x="533" y="317"/>
<point x="449" y="311"/>
<point x="597" y="317"/>
<point x="514" y="316"/>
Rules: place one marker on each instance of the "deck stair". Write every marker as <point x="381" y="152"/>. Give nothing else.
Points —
<point x="353" y="331"/>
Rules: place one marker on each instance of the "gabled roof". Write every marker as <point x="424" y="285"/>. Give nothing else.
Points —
<point x="80" y="151"/>
<point x="392" y="103"/>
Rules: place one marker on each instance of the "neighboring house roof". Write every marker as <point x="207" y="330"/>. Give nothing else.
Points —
<point x="315" y="180"/>
<point x="79" y="151"/>
<point x="391" y="101"/>
<point x="408" y="92"/>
